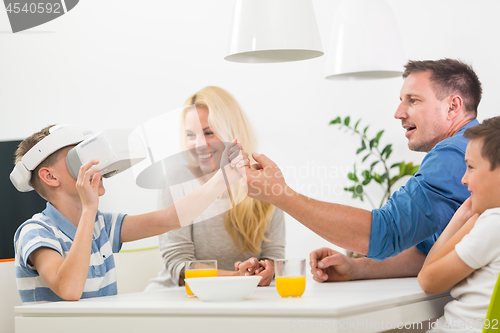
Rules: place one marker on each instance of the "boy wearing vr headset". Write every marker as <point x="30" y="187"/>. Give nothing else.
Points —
<point x="66" y="252"/>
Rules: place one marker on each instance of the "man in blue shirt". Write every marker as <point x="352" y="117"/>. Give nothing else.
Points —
<point x="439" y="100"/>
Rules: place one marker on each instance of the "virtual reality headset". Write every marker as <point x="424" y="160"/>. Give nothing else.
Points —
<point x="116" y="150"/>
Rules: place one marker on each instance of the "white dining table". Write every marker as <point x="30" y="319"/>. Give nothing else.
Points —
<point x="355" y="306"/>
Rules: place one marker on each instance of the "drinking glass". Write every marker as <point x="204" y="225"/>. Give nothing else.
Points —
<point x="290" y="277"/>
<point x="199" y="268"/>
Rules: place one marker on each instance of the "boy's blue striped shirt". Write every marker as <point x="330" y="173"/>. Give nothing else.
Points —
<point x="52" y="230"/>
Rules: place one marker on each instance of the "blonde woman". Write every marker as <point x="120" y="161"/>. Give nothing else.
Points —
<point x="244" y="239"/>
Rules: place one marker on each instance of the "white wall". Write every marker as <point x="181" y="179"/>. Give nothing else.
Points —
<point x="118" y="63"/>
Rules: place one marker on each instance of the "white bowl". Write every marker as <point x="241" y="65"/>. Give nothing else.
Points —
<point x="223" y="288"/>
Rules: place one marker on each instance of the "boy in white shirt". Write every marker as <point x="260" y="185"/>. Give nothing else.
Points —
<point x="466" y="257"/>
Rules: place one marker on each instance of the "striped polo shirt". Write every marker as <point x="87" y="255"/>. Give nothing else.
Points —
<point x="51" y="229"/>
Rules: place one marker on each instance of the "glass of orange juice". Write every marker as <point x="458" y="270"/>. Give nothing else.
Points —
<point x="199" y="268"/>
<point x="290" y="277"/>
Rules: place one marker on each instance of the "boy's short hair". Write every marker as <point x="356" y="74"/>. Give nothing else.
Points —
<point x="25" y="146"/>
<point x="489" y="132"/>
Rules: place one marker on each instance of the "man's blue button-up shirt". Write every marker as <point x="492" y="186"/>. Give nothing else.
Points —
<point x="418" y="212"/>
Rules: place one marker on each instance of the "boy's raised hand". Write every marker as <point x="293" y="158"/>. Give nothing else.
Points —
<point x="87" y="184"/>
<point x="464" y="212"/>
<point x="67" y="276"/>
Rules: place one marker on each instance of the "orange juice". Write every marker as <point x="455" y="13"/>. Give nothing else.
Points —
<point x="196" y="273"/>
<point x="291" y="286"/>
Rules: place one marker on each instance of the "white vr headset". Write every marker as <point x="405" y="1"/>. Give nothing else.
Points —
<point x="116" y="150"/>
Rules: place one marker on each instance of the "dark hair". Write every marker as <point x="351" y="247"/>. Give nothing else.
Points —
<point x="450" y="76"/>
<point x="489" y="132"/>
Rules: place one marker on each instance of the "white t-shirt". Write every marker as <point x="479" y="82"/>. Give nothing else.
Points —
<point x="479" y="249"/>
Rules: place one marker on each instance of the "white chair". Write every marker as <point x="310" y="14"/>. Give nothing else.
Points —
<point x="9" y="297"/>
<point x="134" y="269"/>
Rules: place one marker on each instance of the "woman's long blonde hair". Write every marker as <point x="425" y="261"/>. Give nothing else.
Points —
<point x="250" y="218"/>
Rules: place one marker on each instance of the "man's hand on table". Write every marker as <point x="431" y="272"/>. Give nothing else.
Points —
<point x="328" y="265"/>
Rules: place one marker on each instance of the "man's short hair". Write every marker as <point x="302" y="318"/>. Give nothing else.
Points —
<point x="25" y="146"/>
<point x="489" y="133"/>
<point x="450" y="76"/>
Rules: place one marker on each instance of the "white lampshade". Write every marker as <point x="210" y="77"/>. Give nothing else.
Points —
<point x="365" y="42"/>
<point x="273" y="31"/>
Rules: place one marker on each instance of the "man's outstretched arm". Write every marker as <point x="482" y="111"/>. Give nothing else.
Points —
<point x="345" y="226"/>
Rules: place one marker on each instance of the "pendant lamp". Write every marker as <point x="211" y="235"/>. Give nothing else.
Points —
<point x="266" y="31"/>
<point x="365" y="42"/>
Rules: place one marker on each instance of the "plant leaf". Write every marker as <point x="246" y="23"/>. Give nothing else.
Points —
<point x="372" y="144"/>
<point x="364" y="158"/>
<point x="363" y="147"/>
<point x="377" y="138"/>
<point x="359" y="190"/>
<point x="395" y="165"/>
<point x="349" y="189"/>
<point x="347" y="120"/>
<point x="355" y="195"/>
<point x="386" y="149"/>
<point x="335" y="121"/>
<point x="388" y="154"/>
<point x="357" y="123"/>
<point x="373" y="165"/>
<point x="393" y="180"/>
<point x="402" y="168"/>
<point x="384" y="177"/>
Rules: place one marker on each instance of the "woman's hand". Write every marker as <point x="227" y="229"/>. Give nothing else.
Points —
<point x="234" y="158"/>
<point x="252" y="266"/>
<point x="247" y="267"/>
<point x="266" y="270"/>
